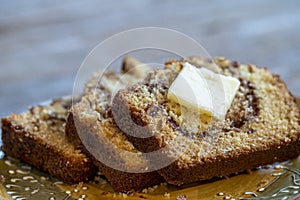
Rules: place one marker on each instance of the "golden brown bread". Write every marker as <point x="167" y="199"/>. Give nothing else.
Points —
<point x="261" y="127"/>
<point x="90" y="122"/>
<point x="37" y="137"/>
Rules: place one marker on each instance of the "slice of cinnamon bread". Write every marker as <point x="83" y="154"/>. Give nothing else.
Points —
<point x="90" y="122"/>
<point x="261" y="126"/>
<point x="37" y="137"/>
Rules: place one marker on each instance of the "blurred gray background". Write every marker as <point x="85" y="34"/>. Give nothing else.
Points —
<point x="43" y="43"/>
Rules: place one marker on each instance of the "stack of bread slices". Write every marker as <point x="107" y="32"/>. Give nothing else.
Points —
<point x="104" y="130"/>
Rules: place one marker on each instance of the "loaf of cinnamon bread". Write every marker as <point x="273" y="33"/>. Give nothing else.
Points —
<point x="261" y="126"/>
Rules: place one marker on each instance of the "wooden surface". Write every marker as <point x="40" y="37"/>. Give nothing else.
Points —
<point x="42" y="43"/>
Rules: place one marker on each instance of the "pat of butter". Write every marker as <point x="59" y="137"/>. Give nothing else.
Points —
<point x="202" y="89"/>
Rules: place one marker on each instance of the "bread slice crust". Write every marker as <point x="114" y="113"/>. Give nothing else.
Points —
<point x="24" y="137"/>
